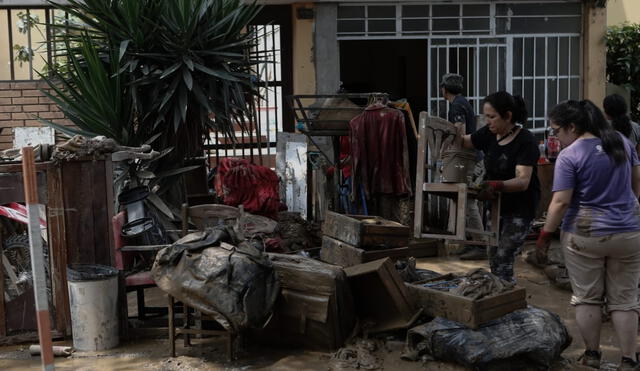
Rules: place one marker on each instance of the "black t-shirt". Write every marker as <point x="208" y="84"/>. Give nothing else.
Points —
<point x="461" y="111"/>
<point x="500" y="163"/>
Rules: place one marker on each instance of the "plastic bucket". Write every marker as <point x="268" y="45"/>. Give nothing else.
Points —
<point x="456" y="165"/>
<point x="93" y="297"/>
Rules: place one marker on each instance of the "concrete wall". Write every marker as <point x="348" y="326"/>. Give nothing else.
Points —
<point x="620" y="11"/>
<point x="327" y="52"/>
<point x="594" y="78"/>
<point x="304" y="70"/>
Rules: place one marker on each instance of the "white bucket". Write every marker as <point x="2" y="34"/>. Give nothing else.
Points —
<point x="93" y="298"/>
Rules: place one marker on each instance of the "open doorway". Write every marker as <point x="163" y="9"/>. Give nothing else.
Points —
<point x="396" y="67"/>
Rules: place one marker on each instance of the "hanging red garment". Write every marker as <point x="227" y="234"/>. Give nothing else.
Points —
<point x="255" y="187"/>
<point x="379" y="152"/>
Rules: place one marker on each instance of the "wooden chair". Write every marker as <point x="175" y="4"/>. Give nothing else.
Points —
<point x="202" y="216"/>
<point x="437" y="134"/>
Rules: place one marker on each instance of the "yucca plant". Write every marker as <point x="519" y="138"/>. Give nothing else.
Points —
<point x="178" y="68"/>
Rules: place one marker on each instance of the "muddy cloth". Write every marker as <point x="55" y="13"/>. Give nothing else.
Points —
<point x="479" y="283"/>
<point x="513" y="231"/>
<point x="409" y="273"/>
<point x="360" y="355"/>
<point x="527" y="339"/>
<point x="236" y="285"/>
<point x="255" y="187"/>
<point x="380" y="160"/>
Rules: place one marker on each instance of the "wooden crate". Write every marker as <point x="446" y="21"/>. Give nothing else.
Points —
<point x="341" y="253"/>
<point x="383" y="302"/>
<point x="363" y="231"/>
<point x="472" y="313"/>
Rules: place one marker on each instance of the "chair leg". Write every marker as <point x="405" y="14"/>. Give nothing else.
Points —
<point x="230" y="346"/>
<point x="141" y="308"/>
<point x="187" y="339"/>
<point x="172" y="328"/>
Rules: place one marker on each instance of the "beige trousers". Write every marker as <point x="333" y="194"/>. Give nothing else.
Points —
<point x="605" y="267"/>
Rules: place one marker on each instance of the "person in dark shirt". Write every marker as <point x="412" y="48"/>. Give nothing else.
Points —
<point x="460" y="110"/>
<point x="511" y="154"/>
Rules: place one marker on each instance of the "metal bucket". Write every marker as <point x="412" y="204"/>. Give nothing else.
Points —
<point x="456" y="165"/>
<point x="93" y="297"/>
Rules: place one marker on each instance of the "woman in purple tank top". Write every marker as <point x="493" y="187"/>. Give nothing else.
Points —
<point x="595" y="189"/>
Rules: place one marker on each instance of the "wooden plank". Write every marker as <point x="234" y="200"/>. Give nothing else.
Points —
<point x="17" y="167"/>
<point x="517" y="294"/>
<point x="77" y="177"/>
<point x="58" y="248"/>
<point x="3" y="318"/>
<point x="340" y="253"/>
<point x="420" y="176"/>
<point x="11" y="189"/>
<point x="381" y="296"/>
<point x="343" y="228"/>
<point x="30" y="337"/>
<point x="465" y="310"/>
<point x="101" y="220"/>
<point x="497" y="312"/>
<point x="362" y="231"/>
<point x="110" y="208"/>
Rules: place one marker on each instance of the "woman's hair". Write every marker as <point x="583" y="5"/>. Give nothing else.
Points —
<point x="616" y="107"/>
<point x="588" y="118"/>
<point x="504" y="102"/>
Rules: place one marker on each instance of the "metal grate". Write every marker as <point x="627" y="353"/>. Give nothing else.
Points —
<point x="258" y="142"/>
<point x="24" y="41"/>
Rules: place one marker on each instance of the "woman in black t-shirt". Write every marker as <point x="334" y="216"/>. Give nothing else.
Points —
<point x="511" y="154"/>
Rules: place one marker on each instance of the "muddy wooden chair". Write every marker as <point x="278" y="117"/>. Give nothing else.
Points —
<point x="202" y="216"/>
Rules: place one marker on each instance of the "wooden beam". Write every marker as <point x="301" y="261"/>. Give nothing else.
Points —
<point x="37" y="258"/>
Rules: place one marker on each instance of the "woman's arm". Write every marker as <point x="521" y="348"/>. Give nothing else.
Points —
<point x="635" y="180"/>
<point x="558" y="206"/>
<point x="521" y="182"/>
<point x="466" y="142"/>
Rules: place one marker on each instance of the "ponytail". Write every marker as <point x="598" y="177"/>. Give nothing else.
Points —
<point x="612" y="143"/>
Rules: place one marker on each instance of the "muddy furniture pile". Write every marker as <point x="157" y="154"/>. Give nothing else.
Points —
<point x="355" y="239"/>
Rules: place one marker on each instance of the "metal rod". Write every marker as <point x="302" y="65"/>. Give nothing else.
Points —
<point x="12" y="65"/>
<point x="29" y="45"/>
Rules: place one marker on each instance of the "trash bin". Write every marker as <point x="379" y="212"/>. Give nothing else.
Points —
<point x="93" y="297"/>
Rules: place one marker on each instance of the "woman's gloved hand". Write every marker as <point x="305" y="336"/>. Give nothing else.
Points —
<point x="489" y="188"/>
<point x="542" y="245"/>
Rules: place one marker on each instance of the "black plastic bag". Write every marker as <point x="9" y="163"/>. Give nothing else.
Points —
<point x="527" y="339"/>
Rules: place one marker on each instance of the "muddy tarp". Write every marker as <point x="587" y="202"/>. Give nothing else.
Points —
<point x="236" y="285"/>
<point x="527" y="339"/>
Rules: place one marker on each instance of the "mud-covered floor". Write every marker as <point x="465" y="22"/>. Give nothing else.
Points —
<point x="152" y="354"/>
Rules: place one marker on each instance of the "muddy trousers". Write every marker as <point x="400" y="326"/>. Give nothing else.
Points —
<point x="513" y="231"/>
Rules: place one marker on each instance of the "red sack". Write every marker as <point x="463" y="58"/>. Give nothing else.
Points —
<point x="239" y="182"/>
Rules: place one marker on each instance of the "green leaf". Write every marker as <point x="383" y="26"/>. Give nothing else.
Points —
<point x="188" y="80"/>
<point x="123" y="49"/>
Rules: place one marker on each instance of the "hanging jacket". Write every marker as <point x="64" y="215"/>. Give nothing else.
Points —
<point x="380" y="160"/>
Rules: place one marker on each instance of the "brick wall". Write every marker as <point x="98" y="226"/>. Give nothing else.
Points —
<point x="19" y="102"/>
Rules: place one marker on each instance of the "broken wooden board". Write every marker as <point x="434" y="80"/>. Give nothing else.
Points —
<point x="382" y="301"/>
<point x="470" y="312"/>
<point x="364" y="231"/>
<point x="343" y="254"/>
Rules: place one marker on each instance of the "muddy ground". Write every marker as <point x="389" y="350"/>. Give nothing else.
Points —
<point x="152" y="354"/>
